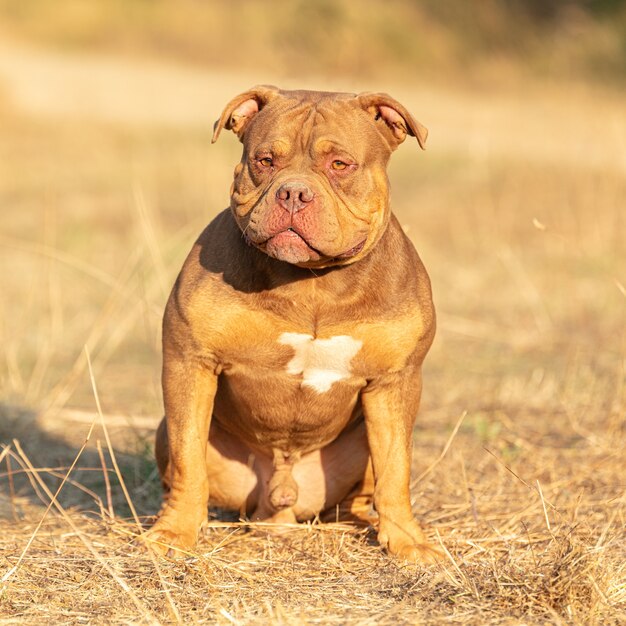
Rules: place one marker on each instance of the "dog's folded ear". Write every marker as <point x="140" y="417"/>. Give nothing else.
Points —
<point x="392" y="119"/>
<point x="241" y="109"/>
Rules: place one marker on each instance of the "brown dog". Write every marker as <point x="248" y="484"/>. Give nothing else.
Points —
<point x="294" y="336"/>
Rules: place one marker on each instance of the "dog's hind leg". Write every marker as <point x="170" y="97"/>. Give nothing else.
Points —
<point x="233" y="470"/>
<point x="357" y="507"/>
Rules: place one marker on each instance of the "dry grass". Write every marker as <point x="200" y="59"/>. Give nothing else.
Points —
<point x="517" y="210"/>
<point x="549" y="551"/>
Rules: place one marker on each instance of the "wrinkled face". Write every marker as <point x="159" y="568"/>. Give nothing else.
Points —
<point x="311" y="188"/>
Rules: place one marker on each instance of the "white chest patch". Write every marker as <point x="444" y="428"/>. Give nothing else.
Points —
<point x="320" y="362"/>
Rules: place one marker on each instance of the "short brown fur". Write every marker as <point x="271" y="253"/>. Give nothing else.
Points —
<point x="309" y="249"/>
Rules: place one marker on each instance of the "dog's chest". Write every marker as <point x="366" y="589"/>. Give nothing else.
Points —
<point x="278" y="356"/>
<point x="320" y="363"/>
<point x="291" y="362"/>
<point x="339" y="359"/>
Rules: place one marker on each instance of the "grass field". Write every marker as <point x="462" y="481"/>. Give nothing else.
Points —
<point x="517" y="209"/>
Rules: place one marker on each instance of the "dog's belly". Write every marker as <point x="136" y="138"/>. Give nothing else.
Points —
<point x="276" y="409"/>
<point x="239" y="477"/>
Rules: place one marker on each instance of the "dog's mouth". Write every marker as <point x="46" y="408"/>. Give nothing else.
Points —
<point x="292" y="236"/>
<point x="291" y="246"/>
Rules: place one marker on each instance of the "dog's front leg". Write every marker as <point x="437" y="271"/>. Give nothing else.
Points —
<point x="390" y="405"/>
<point x="188" y="392"/>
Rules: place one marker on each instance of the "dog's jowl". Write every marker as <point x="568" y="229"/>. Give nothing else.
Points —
<point x="294" y="336"/>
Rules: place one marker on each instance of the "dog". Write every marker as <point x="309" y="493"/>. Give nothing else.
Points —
<point x="295" y="333"/>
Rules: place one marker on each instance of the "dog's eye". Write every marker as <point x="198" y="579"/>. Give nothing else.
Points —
<point x="339" y="165"/>
<point x="266" y="162"/>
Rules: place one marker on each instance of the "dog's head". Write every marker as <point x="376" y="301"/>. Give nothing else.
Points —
<point x="311" y="188"/>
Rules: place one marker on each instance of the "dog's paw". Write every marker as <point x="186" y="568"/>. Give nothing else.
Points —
<point x="164" y="541"/>
<point x="420" y="554"/>
<point x="409" y="544"/>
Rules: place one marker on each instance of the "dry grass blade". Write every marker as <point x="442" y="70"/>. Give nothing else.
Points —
<point x="462" y="576"/>
<point x="543" y="504"/>
<point x="10" y="476"/>
<point x="525" y="483"/>
<point x="107" y="482"/>
<point x="59" y="394"/>
<point x="172" y="606"/>
<point x="108" y="441"/>
<point x="446" y="447"/>
<point x="147" y="228"/>
<point x="4" y="452"/>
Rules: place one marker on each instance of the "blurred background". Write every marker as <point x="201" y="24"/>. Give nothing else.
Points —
<point x="107" y="176"/>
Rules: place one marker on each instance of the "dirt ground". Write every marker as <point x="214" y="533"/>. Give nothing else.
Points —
<point x="517" y="209"/>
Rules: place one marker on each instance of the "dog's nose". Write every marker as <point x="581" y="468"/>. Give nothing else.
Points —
<point x="294" y="196"/>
